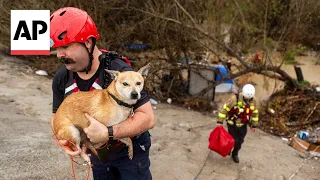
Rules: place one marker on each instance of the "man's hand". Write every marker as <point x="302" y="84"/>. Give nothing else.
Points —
<point x="66" y="147"/>
<point x="253" y="130"/>
<point x="96" y="131"/>
<point x="219" y="124"/>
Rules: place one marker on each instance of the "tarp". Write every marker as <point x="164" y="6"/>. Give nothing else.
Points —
<point x="224" y="73"/>
<point x="226" y="86"/>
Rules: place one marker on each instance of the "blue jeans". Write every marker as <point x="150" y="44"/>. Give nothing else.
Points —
<point x="121" y="167"/>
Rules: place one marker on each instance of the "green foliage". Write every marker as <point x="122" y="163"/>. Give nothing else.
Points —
<point x="301" y="50"/>
<point x="290" y="54"/>
<point x="302" y="83"/>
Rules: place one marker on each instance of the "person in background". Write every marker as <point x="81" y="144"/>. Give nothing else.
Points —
<point x="239" y="112"/>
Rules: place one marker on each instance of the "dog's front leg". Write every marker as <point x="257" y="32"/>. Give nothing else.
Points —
<point x="128" y="142"/>
<point x="84" y="155"/>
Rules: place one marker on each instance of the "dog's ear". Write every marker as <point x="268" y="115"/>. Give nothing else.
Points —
<point x="114" y="74"/>
<point x="144" y="70"/>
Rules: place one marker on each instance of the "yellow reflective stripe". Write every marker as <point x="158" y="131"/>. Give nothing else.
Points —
<point x="252" y="108"/>
<point x="254" y="118"/>
<point x="225" y="107"/>
<point x="239" y="103"/>
<point x="220" y="115"/>
<point x="255" y="111"/>
<point x="247" y="111"/>
<point x="230" y="122"/>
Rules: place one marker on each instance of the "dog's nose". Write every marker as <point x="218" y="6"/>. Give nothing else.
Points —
<point x="134" y="95"/>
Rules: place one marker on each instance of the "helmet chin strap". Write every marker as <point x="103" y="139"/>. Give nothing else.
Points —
<point x="246" y="100"/>
<point x="88" y="68"/>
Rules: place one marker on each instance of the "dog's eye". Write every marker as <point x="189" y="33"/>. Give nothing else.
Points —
<point x="125" y="84"/>
<point x="138" y="83"/>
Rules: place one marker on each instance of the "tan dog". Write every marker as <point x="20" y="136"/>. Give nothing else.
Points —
<point x="69" y="120"/>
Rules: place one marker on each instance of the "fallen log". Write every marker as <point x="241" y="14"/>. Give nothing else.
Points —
<point x="290" y="124"/>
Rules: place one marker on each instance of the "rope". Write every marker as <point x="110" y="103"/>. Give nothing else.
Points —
<point x="72" y="160"/>
<point x="196" y="177"/>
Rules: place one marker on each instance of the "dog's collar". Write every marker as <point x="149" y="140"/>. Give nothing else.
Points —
<point x="121" y="103"/>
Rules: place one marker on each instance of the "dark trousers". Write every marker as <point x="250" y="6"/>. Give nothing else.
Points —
<point x="135" y="169"/>
<point x="120" y="167"/>
<point x="238" y="133"/>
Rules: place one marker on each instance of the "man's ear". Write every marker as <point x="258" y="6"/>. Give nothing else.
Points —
<point x="114" y="74"/>
<point x="144" y="70"/>
<point x="88" y="43"/>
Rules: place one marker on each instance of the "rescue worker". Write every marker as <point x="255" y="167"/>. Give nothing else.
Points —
<point x="239" y="112"/>
<point x="73" y="33"/>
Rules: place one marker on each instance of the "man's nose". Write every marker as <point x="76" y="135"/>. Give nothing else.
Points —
<point x="134" y="95"/>
<point x="60" y="53"/>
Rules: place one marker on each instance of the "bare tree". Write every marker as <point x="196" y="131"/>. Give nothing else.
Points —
<point x="190" y="28"/>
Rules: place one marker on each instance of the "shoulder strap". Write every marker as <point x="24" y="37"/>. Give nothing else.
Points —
<point x="115" y="55"/>
<point x="107" y="65"/>
<point x="69" y="83"/>
<point x="106" y="58"/>
<point x="237" y="96"/>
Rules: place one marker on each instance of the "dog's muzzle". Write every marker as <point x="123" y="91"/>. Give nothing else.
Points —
<point x="134" y="95"/>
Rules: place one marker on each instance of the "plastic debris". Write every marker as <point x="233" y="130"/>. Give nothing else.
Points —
<point x="303" y="134"/>
<point x="42" y="73"/>
<point x="271" y="111"/>
<point x="153" y="102"/>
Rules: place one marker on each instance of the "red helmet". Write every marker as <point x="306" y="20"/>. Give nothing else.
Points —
<point x="76" y="23"/>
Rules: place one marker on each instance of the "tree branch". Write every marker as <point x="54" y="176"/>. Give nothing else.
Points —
<point x="199" y="31"/>
<point x="186" y="12"/>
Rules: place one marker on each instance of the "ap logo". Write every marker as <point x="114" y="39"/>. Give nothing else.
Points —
<point x="30" y="32"/>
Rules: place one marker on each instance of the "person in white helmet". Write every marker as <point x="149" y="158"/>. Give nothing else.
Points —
<point x="239" y="112"/>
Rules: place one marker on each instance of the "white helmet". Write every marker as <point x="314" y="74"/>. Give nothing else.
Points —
<point x="248" y="91"/>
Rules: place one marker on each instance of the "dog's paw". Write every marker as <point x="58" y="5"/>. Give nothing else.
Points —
<point x="130" y="154"/>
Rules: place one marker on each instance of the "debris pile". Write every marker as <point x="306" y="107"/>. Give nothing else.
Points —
<point x="289" y="111"/>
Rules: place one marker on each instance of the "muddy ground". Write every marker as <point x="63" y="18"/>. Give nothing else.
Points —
<point x="179" y="149"/>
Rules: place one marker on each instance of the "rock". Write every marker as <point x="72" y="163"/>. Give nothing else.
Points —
<point x="244" y="168"/>
<point x="170" y="125"/>
<point x="281" y="177"/>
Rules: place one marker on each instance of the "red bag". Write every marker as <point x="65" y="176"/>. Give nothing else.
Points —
<point x="221" y="141"/>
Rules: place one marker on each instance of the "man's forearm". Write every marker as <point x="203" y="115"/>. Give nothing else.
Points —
<point x="51" y="122"/>
<point x="142" y="120"/>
